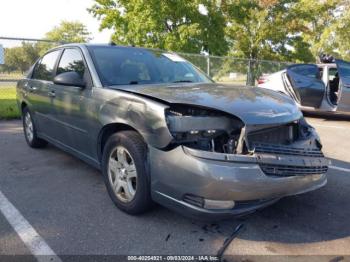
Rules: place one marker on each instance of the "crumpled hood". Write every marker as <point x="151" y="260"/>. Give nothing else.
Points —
<point x="251" y="104"/>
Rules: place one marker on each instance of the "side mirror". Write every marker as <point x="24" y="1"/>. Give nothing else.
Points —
<point x="69" y="79"/>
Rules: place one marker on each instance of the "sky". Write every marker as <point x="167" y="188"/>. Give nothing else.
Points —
<point x="33" y="18"/>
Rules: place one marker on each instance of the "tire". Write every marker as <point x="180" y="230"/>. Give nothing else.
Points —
<point x="126" y="151"/>
<point x="29" y="130"/>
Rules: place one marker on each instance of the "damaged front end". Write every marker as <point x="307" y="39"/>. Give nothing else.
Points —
<point x="216" y="165"/>
<point x="287" y="149"/>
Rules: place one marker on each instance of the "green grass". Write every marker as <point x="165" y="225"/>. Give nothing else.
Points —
<point x="14" y="75"/>
<point x="8" y="104"/>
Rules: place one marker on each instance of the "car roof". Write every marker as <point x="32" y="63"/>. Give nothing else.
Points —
<point x="108" y="45"/>
<point x="327" y="64"/>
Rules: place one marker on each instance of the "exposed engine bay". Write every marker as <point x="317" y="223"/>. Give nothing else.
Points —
<point x="204" y="129"/>
<point x="215" y="131"/>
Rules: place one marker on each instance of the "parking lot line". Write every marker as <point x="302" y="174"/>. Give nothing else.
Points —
<point x="34" y="242"/>
<point x="340" y="168"/>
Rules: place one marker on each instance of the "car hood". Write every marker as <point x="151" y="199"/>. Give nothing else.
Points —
<point x="252" y="105"/>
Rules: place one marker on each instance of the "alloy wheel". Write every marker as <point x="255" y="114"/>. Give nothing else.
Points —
<point x="28" y="127"/>
<point x="122" y="174"/>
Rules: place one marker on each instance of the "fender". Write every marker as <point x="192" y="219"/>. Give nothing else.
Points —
<point x="143" y="114"/>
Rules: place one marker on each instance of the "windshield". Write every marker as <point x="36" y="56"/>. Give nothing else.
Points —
<point x="131" y="66"/>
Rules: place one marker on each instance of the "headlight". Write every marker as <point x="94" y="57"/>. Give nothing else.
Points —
<point x="306" y="130"/>
<point x="204" y="129"/>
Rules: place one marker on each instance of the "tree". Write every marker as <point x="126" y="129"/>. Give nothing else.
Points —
<point x="178" y="25"/>
<point x="65" y="32"/>
<point x="265" y="30"/>
<point x="282" y="30"/>
<point x="334" y="38"/>
<point x="319" y="19"/>
<point x="340" y="32"/>
<point x="21" y="58"/>
<point x="69" y="32"/>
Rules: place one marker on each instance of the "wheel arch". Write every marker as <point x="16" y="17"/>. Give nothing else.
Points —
<point x="107" y="131"/>
<point x="23" y="105"/>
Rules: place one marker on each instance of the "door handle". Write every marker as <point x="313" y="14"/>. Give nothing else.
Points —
<point x="52" y="93"/>
<point x="32" y="88"/>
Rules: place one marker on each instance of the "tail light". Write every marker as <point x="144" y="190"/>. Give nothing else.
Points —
<point x="262" y="80"/>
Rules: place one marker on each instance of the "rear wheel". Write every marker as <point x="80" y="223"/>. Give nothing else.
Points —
<point x="29" y="129"/>
<point x="125" y="173"/>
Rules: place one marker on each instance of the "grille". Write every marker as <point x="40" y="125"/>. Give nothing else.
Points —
<point x="285" y="171"/>
<point x="285" y="134"/>
<point x="286" y="150"/>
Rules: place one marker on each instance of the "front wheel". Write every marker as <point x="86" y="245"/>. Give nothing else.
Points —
<point x="30" y="131"/>
<point x="125" y="173"/>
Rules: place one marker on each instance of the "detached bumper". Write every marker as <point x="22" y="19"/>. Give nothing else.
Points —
<point x="214" y="176"/>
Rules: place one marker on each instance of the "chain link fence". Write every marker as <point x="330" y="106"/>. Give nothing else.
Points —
<point x="235" y="71"/>
<point x="20" y="53"/>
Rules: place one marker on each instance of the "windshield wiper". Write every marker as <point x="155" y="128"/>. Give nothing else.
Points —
<point x="183" y="81"/>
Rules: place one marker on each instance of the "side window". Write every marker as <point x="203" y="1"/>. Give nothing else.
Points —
<point x="306" y="70"/>
<point x="71" y="61"/>
<point x="44" y="68"/>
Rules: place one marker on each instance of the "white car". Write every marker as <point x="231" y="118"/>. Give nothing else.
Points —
<point x="317" y="88"/>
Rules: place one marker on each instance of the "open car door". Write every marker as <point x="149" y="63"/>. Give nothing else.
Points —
<point x="307" y="84"/>
<point x="344" y="75"/>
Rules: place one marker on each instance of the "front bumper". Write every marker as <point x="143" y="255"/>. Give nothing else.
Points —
<point x="217" y="176"/>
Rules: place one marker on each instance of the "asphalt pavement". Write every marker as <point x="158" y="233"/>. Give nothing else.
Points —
<point x="65" y="205"/>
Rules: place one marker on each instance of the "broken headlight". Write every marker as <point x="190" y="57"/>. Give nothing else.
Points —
<point x="307" y="130"/>
<point x="203" y="129"/>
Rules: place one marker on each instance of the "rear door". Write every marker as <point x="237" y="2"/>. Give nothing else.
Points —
<point x="38" y="88"/>
<point x="307" y="84"/>
<point x="344" y="75"/>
